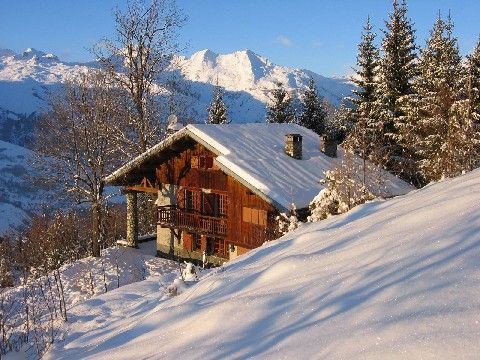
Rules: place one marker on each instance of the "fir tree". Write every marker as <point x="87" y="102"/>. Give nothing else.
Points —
<point x="397" y="66"/>
<point x="434" y="124"/>
<point x="366" y="73"/>
<point x="281" y="109"/>
<point x="471" y="108"/>
<point x="366" y="137"/>
<point x="217" y="111"/>
<point x="397" y="73"/>
<point x="313" y="114"/>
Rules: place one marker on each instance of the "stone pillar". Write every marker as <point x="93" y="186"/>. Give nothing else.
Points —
<point x="167" y="195"/>
<point x="132" y="219"/>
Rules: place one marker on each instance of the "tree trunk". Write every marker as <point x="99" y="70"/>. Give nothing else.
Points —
<point x="96" y="213"/>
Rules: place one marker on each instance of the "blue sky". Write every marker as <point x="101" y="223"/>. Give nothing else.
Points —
<point x="320" y="35"/>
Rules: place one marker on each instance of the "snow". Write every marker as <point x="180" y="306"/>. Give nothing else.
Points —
<point x="390" y="279"/>
<point x="116" y="267"/>
<point x="18" y="196"/>
<point x="247" y="71"/>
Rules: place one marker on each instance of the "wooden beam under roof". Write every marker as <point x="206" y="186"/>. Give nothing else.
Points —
<point x="144" y="186"/>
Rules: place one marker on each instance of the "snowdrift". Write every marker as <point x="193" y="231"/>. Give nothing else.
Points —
<point x="390" y="279"/>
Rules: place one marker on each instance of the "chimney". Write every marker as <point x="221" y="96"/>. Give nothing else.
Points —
<point x="293" y="146"/>
<point x="173" y="125"/>
<point x="328" y="146"/>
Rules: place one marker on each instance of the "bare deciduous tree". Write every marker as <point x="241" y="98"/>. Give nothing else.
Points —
<point x="146" y="39"/>
<point x="75" y="138"/>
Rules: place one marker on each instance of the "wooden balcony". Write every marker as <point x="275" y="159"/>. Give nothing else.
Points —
<point x="171" y="216"/>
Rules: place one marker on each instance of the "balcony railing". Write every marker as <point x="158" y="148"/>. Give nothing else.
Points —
<point x="171" y="216"/>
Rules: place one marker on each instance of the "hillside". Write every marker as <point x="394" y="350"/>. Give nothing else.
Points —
<point x="19" y="195"/>
<point x="390" y="279"/>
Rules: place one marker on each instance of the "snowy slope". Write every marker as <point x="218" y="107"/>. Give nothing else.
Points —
<point x="390" y="279"/>
<point x="18" y="195"/>
<point x="81" y="279"/>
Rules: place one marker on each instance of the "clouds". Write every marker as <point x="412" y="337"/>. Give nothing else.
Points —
<point x="284" y="41"/>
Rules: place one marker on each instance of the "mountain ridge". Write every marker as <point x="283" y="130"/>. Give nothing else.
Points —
<point x="240" y="71"/>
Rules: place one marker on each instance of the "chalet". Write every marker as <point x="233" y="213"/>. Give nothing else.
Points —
<point x="220" y="187"/>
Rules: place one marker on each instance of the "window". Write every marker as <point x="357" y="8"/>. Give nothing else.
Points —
<point x="214" y="204"/>
<point x="201" y="162"/>
<point x="192" y="200"/>
<point x="194" y="162"/>
<point x="223" y="205"/>
<point x="255" y="216"/>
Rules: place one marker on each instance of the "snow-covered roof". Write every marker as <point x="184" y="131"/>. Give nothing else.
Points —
<point x="254" y="155"/>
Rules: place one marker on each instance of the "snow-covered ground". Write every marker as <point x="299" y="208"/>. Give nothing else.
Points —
<point x="18" y="194"/>
<point x="83" y="281"/>
<point x="390" y="279"/>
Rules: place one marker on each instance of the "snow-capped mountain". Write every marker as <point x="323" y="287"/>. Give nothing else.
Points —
<point x="248" y="72"/>
<point x="27" y="78"/>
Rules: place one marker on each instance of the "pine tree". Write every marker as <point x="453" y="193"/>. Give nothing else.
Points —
<point x="366" y="73"/>
<point x="281" y="109"/>
<point x="217" y="111"/>
<point x="366" y="137"/>
<point x="471" y="107"/>
<point x="397" y="66"/>
<point x="434" y="113"/>
<point x="314" y="114"/>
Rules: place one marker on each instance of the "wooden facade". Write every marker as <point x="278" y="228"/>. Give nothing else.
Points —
<point x="213" y="212"/>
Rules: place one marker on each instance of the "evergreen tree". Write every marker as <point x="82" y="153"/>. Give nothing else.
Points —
<point x="397" y="66"/>
<point x="434" y="121"/>
<point x="217" y="111"/>
<point x="397" y="73"/>
<point x="366" y="137"/>
<point x="471" y="107"/>
<point x="366" y="73"/>
<point x="314" y="114"/>
<point x="281" y="109"/>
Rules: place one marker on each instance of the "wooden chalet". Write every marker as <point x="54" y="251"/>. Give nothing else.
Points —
<point x="221" y="187"/>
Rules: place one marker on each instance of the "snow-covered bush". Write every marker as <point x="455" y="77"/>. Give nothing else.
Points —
<point x="287" y="221"/>
<point x="343" y="190"/>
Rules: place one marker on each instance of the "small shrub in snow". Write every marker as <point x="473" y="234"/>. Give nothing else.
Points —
<point x="341" y="193"/>
<point x="187" y="276"/>
<point x="287" y="222"/>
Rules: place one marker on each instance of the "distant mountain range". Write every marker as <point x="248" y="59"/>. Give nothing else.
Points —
<point x="27" y="79"/>
<point x="248" y="78"/>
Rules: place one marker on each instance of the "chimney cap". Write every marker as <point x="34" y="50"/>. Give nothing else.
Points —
<point x="294" y="136"/>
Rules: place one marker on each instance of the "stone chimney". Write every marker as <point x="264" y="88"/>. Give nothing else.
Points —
<point x="328" y="146"/>
<point x="293" y="146"/>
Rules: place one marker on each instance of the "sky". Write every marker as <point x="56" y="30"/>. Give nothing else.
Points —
<point x="319" y="35"/>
